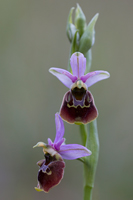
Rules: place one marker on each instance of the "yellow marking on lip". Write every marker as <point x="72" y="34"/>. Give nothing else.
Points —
<point x="77" y="106"/>
<point x="49" y="173"/>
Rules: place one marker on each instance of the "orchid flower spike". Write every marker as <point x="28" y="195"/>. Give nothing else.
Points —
<point x="52" y="167"/>
<point x="78" y="104"/>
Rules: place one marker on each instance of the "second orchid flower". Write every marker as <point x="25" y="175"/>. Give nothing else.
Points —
<point x="52" y="167"/>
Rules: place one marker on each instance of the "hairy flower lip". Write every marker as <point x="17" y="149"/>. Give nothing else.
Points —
<point x="50" y="175"/>
<point x="77" y="112"/>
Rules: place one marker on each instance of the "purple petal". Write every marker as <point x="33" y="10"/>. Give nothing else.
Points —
<point x="64" y="76"/>
<point x="58" y="144"/>
<point x="73" y="151"/>
<point x="59" y="128"/>
<point x="93" y="77"/>
<point x="78" y="64"/>
<point x="50" y="142"/>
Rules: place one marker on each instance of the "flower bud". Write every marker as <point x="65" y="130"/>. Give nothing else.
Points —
<point x="70" y="29"/>
<point x="80" y="20"/>
<point x="88" y="38"/>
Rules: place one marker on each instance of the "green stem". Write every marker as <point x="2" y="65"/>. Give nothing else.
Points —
<point x="83" y="131"/>
<point x="87" y="193"/>
<point x="89" y="135"/>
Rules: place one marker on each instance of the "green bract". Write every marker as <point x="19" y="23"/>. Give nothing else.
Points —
<point x="81" y="36"/>
<point x="70" y="29"/>
<point x="88" y="38"/>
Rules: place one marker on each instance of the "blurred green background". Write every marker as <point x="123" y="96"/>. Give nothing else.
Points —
<point x="33" y="39"/>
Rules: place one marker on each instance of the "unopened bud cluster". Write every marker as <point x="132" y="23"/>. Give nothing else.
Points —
<point x="81" y="35"/>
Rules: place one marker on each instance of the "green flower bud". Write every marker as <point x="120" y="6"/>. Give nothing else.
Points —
<point x="80" y="20"/>
<point x="70" y="29"/>
<point x="88" y="38"/>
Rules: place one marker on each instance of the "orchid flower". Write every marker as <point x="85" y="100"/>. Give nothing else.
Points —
<point x="52" y="167"/>
<point x="78" y="104"/>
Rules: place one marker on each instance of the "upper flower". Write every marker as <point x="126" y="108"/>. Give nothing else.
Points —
<point x="78" y="104"/>
<point x="52" y="167"/>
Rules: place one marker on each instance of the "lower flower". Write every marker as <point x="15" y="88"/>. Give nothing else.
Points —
<point x="52" y="167"/>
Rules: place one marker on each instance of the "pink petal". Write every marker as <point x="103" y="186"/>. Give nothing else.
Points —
<point x="73" y="151"/>
<point x="78" y="64"/>
<point x="58" y="144"/>
<point x="93" y="77"/>
<point x="50" y="142"/>
<point x="64" y="76"/>
<point x="59" y="128"/>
